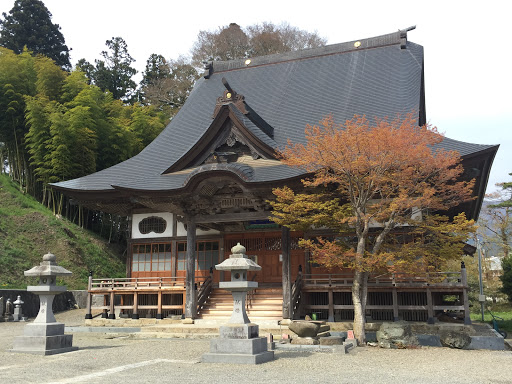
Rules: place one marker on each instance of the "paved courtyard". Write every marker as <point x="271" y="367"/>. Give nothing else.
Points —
<point x="104" y="358"/>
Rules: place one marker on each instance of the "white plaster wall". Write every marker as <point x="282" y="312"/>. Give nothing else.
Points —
<point x="182" y="232"/>
<point x="138" y="217"/>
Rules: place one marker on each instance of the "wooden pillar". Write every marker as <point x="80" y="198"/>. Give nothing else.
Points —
<point x="135" y="314"/>
<point x="159" y="310"/>
<point x="286" y="264"/>
<point x="104" y="314"/>
<point x="88" y="314"/>
<point x="430" y="307"/>
<point x="395" y="305"/>
<point x="129" y="258"/>
<point x="190" y="305"/>
<point x="112" y="314"/>
<point x="465" y="299"/>
<point x="331" y="306"/>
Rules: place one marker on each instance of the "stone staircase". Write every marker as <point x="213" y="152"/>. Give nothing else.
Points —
<point x="265" y="303"/>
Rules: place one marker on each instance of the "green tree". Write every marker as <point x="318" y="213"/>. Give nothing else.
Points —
<point x="156" y="68"/>
<point x="146" y="124"/>
<point x="506" y="277"/>
<point x="167" y="84"/>
<point x="29" y="24"/>
<point x="17" y="79"/>
<point x="114" y="73"/>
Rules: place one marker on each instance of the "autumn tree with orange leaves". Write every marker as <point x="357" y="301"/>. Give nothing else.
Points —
<point x="374" y="180"/>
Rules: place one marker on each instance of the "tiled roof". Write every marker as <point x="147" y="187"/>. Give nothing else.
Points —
<point x="381" y="77"/>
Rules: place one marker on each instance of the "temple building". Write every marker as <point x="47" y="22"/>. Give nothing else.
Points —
<point x="204" y="183"/>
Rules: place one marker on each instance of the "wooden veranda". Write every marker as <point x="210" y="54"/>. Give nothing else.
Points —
<point x="390" y="297"/>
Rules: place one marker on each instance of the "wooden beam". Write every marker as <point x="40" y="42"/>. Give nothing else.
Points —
<point x="190" y="305"/>
<point x="227" y="217"/>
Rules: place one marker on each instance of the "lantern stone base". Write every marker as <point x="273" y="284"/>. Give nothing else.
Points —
<point x="43" y="339"/>
<point x="238" y="351"/>
<point x="239" y="344"/>
<point x="239" y="331"/>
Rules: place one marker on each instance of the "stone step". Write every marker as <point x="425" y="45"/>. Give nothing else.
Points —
<point x="264" y="303"/>
<point x="227" y="312"/>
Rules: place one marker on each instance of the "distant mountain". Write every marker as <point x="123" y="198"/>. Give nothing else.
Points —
<point x="491" y="246"/>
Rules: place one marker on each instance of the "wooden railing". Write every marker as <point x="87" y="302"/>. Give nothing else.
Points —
<point x="391" y="280"/>
<point x="296" y="294"/>
<point x="204" y="292"/>
<point x="143" y="293"/>
<point x="131" y="283"/>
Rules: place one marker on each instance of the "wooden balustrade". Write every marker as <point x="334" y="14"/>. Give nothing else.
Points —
<point x="395" y="295"/>
<point x="142" y="294"/>
<point x="296" y="294"/>
<point x="390" y="280"/>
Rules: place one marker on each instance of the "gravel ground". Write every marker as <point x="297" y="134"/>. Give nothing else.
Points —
<point x="104" y="358"/>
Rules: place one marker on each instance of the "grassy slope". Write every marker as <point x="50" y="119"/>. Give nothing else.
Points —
<point x="28" y="230"/>
<point x="502" y="310"/>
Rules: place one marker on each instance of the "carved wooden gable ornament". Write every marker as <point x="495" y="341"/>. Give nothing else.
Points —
<point x="228" y="137"/>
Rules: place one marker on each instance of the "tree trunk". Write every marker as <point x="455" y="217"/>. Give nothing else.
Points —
<point x="359" y="289"/>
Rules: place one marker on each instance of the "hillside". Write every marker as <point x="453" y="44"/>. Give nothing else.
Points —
<point x="28" y="230"/>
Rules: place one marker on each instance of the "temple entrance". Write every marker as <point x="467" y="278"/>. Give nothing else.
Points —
<point x="265" y="249"/>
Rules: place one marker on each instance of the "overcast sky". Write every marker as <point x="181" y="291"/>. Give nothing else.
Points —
<point x="467" y="46"/>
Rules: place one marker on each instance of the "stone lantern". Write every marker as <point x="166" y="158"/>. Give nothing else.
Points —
<point x="239" y="340"/>
<point x="18" y="314"/>
<point x="45" y="336"/>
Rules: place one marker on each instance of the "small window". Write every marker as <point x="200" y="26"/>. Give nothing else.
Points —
<point x="152" y="224"/>
<point x="151" y="257"/>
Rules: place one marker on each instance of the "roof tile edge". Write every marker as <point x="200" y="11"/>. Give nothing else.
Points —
<point x="396" y="38"/>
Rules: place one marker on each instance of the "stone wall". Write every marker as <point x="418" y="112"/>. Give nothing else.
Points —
<point x="61" y="302"/>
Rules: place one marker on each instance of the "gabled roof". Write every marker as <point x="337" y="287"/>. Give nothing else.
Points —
<point x="277" y="95"/>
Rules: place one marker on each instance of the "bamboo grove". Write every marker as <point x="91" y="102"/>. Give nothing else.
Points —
<point x="55" y="125"/>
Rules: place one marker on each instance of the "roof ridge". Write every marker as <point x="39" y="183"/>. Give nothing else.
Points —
<point x="394" y="38"/>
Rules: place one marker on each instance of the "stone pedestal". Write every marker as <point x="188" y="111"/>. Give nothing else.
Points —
<point x="44" y="339"/>
<point x="239" y="344"/>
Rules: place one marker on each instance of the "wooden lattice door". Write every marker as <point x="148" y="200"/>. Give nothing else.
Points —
<point x="265" y="248"/>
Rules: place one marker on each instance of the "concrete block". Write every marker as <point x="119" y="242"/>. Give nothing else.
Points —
<point x="50" y="329"/>
<point x="496" y="343"/>
<point x="429" y="340"/>
<point x="233" y="358"/>
<point x="44" y="345"/>
<point x="239" y="346"/>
